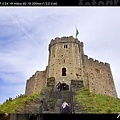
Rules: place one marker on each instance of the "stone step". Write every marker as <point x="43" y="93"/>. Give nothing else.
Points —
<point x="58" y="106"/>
<point x="58" y="103"/>
<point x="57" y="110"/>
<point x="56" y="94"/>
<point x="48" y="112"/>
<point x="59" y="94"/>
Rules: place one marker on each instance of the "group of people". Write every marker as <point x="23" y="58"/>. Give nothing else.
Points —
<point x="62" y="86"/>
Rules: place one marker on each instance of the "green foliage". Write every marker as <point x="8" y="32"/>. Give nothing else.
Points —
<point x="97" y="103"/>
<point x="10" y="106"/>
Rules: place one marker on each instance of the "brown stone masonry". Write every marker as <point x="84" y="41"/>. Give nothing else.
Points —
<point x="67" y="62"/>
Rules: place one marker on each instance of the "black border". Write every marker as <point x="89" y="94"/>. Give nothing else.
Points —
<point x="69" y="3"/>
<point x="71" y="116"/>
<point x="80" y="116"/>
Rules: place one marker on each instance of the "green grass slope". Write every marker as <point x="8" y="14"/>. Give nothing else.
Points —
<point x="10" y="106"/>
<point x="97" y="103"/>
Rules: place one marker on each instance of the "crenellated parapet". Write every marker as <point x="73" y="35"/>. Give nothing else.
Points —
<point x="99" y="76"/>
<point x="63" y="39"/>
<point x="96" y="61"/>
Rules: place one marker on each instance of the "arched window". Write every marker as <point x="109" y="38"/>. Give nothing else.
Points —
<point x="63" y="71"/>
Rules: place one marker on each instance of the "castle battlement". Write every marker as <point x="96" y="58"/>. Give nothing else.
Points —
<point x="96" y="61"/>
<point x="64" y="39"/>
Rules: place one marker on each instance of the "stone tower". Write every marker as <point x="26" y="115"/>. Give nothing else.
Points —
<point x="68" y="62"/>
<point x="65" y="59"/>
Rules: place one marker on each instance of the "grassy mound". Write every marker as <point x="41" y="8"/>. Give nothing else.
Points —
<point x="10" y="106"/>
<point x="97" y="103"/>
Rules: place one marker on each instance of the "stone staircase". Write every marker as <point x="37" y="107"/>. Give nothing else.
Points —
<point x="60" y="97"/>
<point x="52" y="101"/>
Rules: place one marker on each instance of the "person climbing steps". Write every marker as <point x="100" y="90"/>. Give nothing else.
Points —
<point x="65" y="108"/>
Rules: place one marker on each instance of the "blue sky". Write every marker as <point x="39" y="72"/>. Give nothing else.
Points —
<point x="25" y="34"/>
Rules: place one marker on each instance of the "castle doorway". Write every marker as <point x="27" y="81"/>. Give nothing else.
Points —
<point x="64" y="86"/>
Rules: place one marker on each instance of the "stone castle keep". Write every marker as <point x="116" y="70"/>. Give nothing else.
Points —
<point x="68" y="62"/>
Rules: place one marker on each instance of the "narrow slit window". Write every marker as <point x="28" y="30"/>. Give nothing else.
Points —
<point x="63" y="71"/>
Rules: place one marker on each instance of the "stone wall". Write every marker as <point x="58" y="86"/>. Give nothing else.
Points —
<point x="29" y="85"/>
<point x="36" y="82"/>
<point x="76" y="85"/>
<point x="100" y="79"/>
